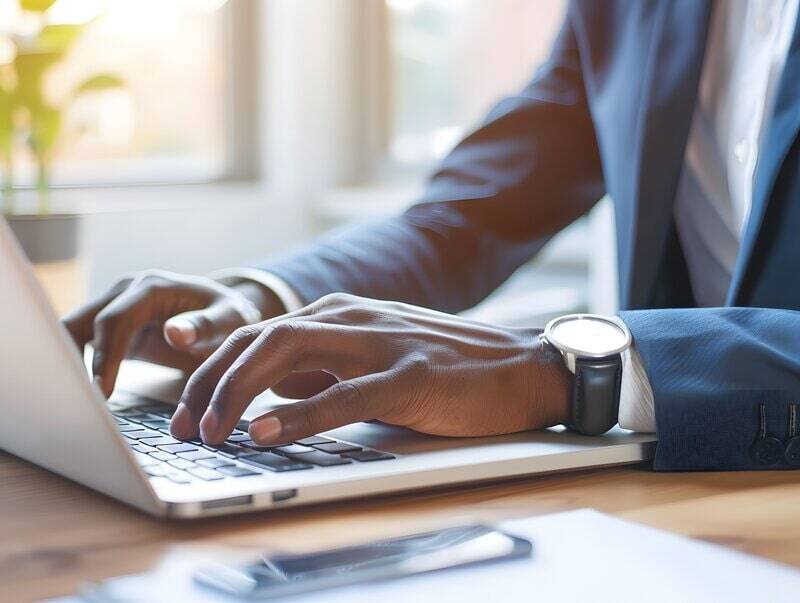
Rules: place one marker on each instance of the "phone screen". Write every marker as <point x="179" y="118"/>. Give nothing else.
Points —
<point x="290" y="574"/>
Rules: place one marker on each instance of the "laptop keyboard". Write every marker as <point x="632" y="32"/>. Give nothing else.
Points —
<point x="183" y="462"/>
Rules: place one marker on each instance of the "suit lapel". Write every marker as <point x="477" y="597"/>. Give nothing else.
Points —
<point x="781" y="133"/>
<point x="670" y="91"/>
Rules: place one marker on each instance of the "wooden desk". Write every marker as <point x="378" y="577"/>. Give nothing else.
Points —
<point x="56" y="535"/>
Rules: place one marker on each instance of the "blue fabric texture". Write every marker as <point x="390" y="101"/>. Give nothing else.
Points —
<point x="609" y="113"/>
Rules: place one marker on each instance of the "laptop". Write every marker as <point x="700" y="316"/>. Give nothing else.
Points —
<point x="54" y="417"/>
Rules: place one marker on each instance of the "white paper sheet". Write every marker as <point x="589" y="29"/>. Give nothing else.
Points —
<point x="578" y="556"/>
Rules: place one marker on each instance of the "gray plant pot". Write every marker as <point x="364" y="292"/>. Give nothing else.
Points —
<point x="47" y="237"/>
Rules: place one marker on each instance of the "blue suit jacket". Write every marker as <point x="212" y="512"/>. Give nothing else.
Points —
<point x="609" y="113"/>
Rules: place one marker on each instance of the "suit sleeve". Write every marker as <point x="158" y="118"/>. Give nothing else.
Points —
<point x="530" y="169"/>
<point x="711" y="371"/>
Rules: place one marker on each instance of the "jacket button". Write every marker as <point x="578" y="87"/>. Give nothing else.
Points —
<point x="793" y="452"/>
<point x="768" y="451"/>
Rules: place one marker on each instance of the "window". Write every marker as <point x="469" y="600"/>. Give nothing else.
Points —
<point x="451" y="59"/>
<point x="166" y="123"/>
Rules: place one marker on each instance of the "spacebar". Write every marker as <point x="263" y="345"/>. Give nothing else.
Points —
<point x="273" y="462"/>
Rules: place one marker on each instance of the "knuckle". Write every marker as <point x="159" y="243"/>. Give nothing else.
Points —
<point x="284" y="333"/>
<point x="417" y="364"/>
<point x="335" y="300"/>
<point x="197" y="382"/>
<point x="349" y="394"/>
<point x="310" y="421"/>
<point x="359" y="315"/>
<point x="107" y="319"/>
<point x="232" y="379"/>
<point x="243" y="334"/>
<point x="154" y="280"/>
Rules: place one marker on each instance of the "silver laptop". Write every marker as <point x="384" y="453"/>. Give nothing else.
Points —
<point x="53" y="416"/>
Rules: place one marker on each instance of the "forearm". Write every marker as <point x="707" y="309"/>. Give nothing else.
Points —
<point x="430" y="256"/>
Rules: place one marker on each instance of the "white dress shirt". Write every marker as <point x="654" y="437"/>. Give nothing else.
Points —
<point x="746" y="50"/>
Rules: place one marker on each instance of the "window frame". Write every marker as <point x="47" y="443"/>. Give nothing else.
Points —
<point x="240" y="153"/>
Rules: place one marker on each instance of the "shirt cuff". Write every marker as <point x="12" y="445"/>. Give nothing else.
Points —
<point x="636" y="404"/>
<point x="283" y="291"/>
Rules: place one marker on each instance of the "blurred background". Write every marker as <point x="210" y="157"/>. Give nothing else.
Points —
<point x="198" y="134"/>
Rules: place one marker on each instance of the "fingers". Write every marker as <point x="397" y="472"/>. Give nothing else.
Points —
<point x="80" y="322"/>
<point x="201" y="331"/>
<point x="115" y="327"/>
<point x="359" y="399"/>
<point x="303" y="385"/>
<point x="201" y="385"/>
<point x="278" y="351"/>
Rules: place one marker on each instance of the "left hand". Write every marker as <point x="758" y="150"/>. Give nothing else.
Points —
<point x="400" y="364"/>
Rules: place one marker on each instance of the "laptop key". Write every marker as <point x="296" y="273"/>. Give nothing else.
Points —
<point x="254" y="446"/>
<point x="143" y="448"/>
<point x="129" y="427"/>
<point x="322" y="459"/>
<point x="337" y="447"/>
<point x="313" y="440"/>
<point x="176" y="448"/>
<point x="144" y="460"/>
<point x="204" y="474"/>
<point x="181" y="463"/>
<point x="162" y="456"/>
<point x="196" y="455"/>
<point x="214" y="463"/>
<point x="160" y="441"/>
<point x="274" y="462"/>
<point x="243" y="425"/>
<point x="233" y="452"/>
<point x="292" y="449"/>
<point x="158" y="425"/>
<point x="236" y="471"/>
<point x="159" y="470"/>
<point x="178" y="477"/>
<point x="142" y="433"/>
<point x="367" y="455"/>
<point x="128" y="413"/>
<point x="238" y="437"/>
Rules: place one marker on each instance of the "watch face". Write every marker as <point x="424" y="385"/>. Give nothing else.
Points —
<point x="588" y="335"/>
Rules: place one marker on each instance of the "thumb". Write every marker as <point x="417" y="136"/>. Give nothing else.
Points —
<point x="202" y="331"/>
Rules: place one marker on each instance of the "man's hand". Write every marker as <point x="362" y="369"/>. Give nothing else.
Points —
<point x="167" y="318"/>
<point x="400" y="364"/>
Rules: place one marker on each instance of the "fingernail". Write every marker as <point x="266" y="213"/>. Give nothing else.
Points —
<point x="265" y="431"/>
<point x="180" y="332"/>
<point x="208" y="426"/>
<point x="182" y="425"/>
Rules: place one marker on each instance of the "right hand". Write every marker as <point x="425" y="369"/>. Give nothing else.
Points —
<point x="171" y="319"/>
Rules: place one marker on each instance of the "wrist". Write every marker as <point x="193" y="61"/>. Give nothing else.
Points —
<point x="267" y="302"/>
<point x="550" y="389"/>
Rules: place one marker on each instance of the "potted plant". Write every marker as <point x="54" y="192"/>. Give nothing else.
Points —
<point x="29" y="119"/>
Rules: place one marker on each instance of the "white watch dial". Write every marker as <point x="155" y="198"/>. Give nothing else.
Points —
<point x="588" y="335"/>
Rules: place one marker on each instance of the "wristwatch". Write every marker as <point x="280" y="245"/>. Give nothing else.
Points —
<point x="592" y="347"/>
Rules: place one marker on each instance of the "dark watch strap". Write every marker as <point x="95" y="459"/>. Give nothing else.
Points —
<point x="595" y="394"/>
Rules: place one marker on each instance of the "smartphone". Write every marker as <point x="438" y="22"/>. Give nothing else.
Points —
<point x="283" y="575"/>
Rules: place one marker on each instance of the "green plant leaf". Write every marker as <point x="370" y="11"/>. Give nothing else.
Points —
<point x="38" y="6"/>
<point x="30" y="68"/>
<point x="99" y="82"/>
<point x="56" y="38"/>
